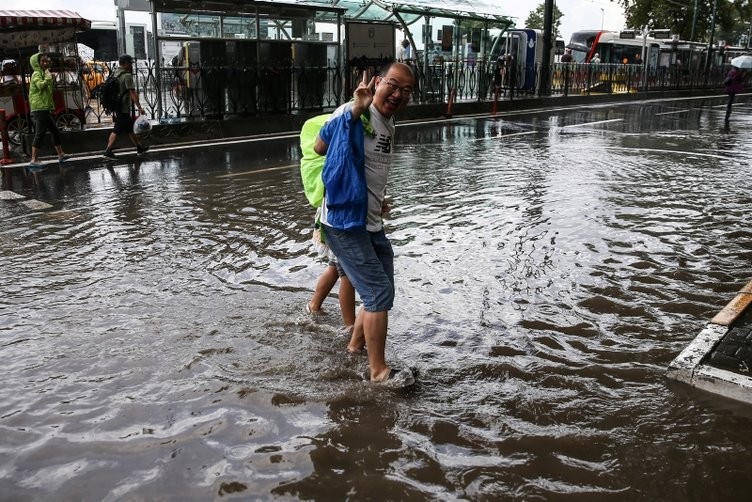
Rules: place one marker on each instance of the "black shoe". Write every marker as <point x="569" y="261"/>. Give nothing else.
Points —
<point x="109" y="154"/>
<point x="142" y="150"/>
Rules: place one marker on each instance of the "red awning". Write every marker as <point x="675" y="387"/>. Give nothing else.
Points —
<point x="27" y="28"/>
<point x="25" y="19"/>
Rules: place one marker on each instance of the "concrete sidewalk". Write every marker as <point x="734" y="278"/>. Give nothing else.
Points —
<point x="719" y="359"/>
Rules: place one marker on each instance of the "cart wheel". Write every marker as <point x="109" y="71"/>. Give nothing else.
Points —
<point x="16" y="129"/>
<point x="68" y="121"/>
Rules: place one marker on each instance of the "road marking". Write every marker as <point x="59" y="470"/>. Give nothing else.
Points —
<point x="590" y="123"/>
<point x="254" y="171"/>
<point x="672" y="113"/>
<point x="657" y="150"/>
<point x="524" y="133"/>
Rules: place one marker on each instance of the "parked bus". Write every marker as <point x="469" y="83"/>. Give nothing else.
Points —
<point x="615" y="47"/>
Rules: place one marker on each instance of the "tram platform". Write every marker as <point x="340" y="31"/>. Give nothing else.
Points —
<point x="719" y="359"/>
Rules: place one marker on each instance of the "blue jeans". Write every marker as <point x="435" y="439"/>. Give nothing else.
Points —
<point x="368" y="261"/>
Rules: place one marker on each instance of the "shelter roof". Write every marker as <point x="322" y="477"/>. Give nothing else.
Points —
<point x="27" y="28"/>
<point x="363" y="10"/>
<point x="479" y="10"/>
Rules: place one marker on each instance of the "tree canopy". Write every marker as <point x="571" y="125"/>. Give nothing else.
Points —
<point x="535" y="19"/>
<point x="733" y="18"/>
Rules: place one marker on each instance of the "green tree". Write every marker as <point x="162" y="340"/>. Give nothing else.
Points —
<point x="732" y="17"/>
<point x="535" y="19"/>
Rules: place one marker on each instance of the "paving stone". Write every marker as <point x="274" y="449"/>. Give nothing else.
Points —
<point x="36" y="205"/>
<point x="8" y="195"/>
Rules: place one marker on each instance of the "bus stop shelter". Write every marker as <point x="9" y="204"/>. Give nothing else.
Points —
<point x="272" y="22"/>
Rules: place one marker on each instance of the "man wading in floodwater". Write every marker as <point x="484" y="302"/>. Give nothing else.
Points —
<point x="352" y="207"/>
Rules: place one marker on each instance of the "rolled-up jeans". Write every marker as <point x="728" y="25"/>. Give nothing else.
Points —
<point x="368" y="261"/>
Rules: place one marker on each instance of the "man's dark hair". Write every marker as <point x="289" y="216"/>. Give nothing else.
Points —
<point x="125" y="59"/>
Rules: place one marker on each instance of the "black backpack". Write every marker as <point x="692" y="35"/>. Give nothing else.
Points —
<point x="110" y="97"/>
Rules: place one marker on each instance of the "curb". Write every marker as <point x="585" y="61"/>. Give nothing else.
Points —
<point x="692" y="366"/>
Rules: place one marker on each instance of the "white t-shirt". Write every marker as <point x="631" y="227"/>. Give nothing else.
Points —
<point x="378" y="153"/>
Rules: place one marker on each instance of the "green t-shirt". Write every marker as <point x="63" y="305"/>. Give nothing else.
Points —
<point x="126" y="84"/>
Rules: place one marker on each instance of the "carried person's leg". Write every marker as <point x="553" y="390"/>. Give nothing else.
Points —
<point x="346" y="296"/>
<point x="324" y="285"/>
<point x="358" y="338"/>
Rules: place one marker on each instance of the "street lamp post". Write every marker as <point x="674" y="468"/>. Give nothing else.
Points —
<point x="694" y="22"/>
<point x="710" y="41"/>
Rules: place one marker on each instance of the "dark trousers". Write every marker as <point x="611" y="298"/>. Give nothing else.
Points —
<point x="43" y="122"/>
<point x="728" y="106"/>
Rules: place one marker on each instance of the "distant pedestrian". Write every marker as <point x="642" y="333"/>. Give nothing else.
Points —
<point x="734" y="84"/>
<point x="567" y="57"/>
<point x="405" y="52"/>
<point x="596" y="58"/>
<point x="512" y="74"/>
<point x="500" y="73"/>
<point x="122" y="116"/>
<point x="42" y="106"/>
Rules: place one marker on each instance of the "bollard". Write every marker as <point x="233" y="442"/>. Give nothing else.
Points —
<point x="4" y="134"/>
<point x="452" y="96"/>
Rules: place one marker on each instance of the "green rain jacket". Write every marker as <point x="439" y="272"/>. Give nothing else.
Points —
<point x="40" y="89"/>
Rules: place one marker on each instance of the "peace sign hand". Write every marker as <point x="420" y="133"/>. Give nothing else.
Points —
<point x="363" y="94"/>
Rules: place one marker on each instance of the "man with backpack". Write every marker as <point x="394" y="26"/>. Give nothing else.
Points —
<point x="355" y="176"/>
<point x="127" y="97"/>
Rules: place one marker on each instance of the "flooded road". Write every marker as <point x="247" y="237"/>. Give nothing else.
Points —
<point x="549" y="266"/>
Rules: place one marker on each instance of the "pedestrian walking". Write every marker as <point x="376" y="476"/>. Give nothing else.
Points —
<point x="41" y="87"/>
<point x="734" y="84"/>
<point x="353" y="206"/>
<point x="122" y="115"/>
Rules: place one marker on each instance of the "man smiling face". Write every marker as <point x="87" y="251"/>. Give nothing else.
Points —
<point x="393" y="90"/>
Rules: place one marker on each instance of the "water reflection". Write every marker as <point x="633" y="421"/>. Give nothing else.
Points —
<point x="549" y="267"/>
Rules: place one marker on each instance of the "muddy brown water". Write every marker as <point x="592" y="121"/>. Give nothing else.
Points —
<point x="549" y="267"/>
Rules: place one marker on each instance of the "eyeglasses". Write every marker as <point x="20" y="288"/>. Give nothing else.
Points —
<point x="393" y="87"/>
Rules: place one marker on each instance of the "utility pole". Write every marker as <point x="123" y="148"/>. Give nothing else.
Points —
<point x="710" y="41"/>
<point x="544" y="86"/>
<point x="694" y="22"/>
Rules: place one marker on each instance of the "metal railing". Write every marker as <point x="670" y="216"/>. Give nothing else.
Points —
<point x="202" y="91"/>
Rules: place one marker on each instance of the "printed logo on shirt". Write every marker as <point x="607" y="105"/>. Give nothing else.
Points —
<point x="383" y="144"/>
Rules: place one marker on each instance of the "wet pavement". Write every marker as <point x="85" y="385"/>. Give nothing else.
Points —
<point x="549" y="267"/>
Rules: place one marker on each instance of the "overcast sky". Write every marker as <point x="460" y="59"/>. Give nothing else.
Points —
<point x="578" y="14"/>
